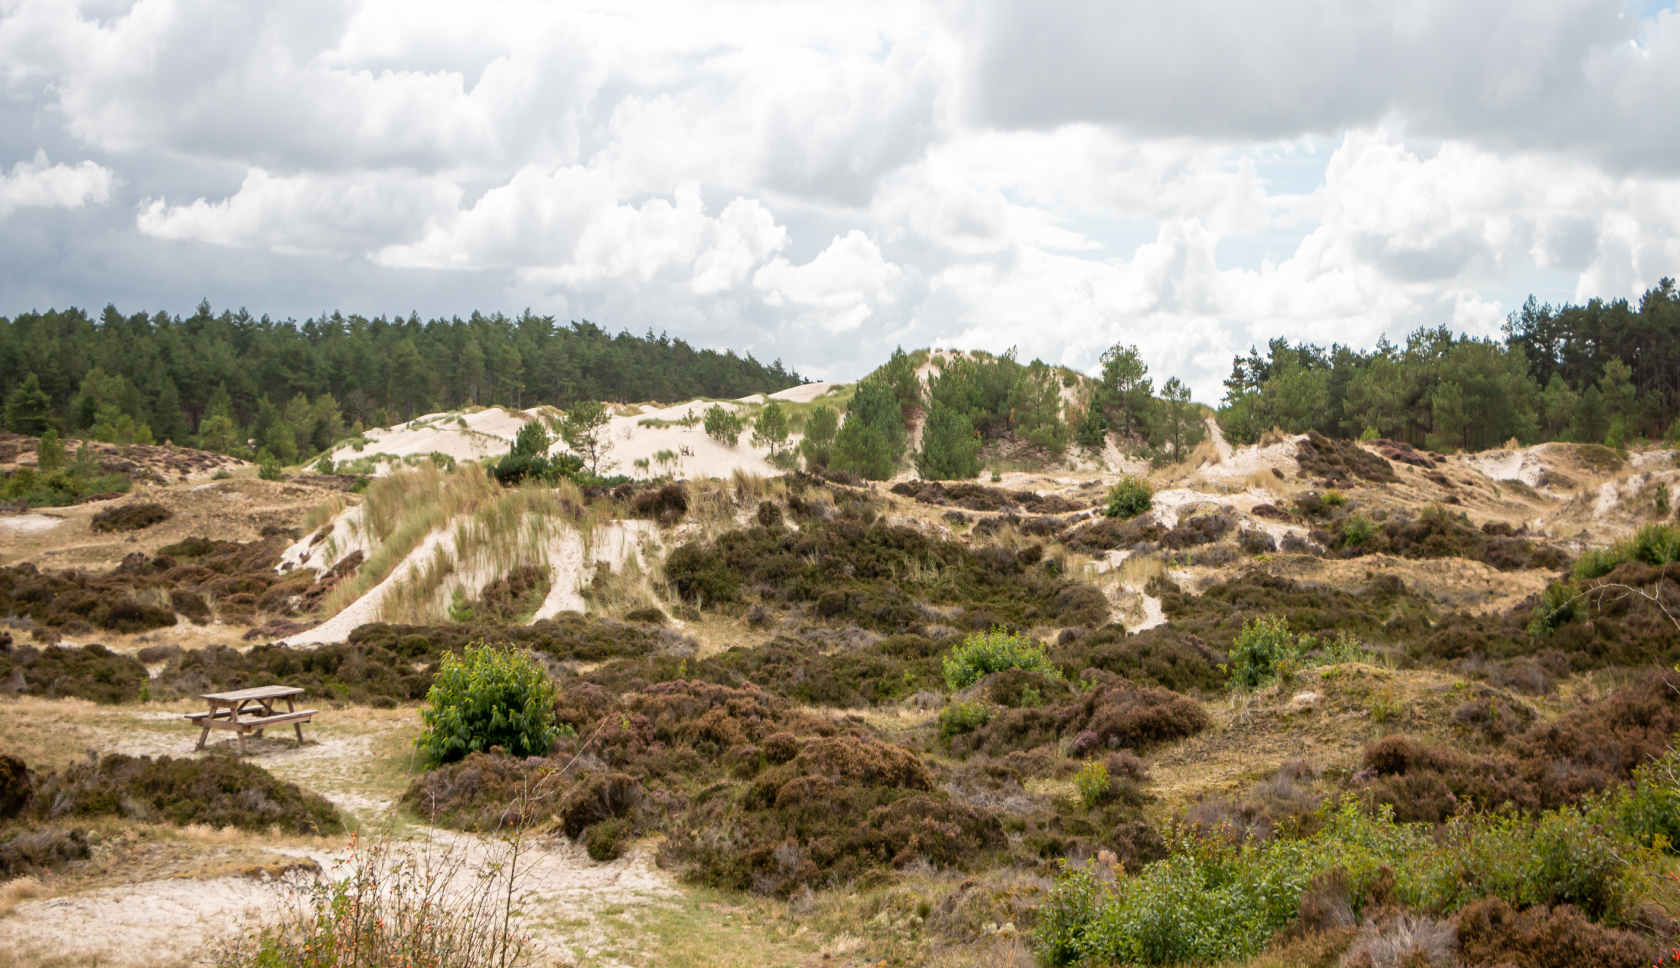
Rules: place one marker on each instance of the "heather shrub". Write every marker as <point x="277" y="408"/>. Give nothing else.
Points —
<point x="987" y="652"/>
<point x="1492" y="932"/>
<point x="488" y="698"/>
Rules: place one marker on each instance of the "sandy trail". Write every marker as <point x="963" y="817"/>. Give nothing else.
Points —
<point x="565" y="559"/>
<point x="175" y="921"/>
<point x="29" y="523"/>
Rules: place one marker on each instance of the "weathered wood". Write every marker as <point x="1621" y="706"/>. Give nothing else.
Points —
<point x="226" y="709"/>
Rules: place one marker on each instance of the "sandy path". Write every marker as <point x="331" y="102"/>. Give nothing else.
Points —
<point x="177" y="921"/>
<point x="29" y="523"/>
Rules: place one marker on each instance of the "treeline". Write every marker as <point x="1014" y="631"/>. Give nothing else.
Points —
<point x="157" y="376"/>
<point x="1606" y="372"/>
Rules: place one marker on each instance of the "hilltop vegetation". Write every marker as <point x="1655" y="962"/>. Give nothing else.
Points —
<point x="218" y="379"/>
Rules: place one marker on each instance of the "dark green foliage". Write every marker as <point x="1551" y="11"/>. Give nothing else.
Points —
<point x="962" y="717"/>
<point x="216" y="791"/>
<point x="488" y="698"/>
<point x="28" y="407"/>
<point x="1258" y="649"/>
<point x="871" y="441"/>
<point x="950" y="447"/>
<point x="1384" y="608"/>
<point x="702" y="576"/>
<point x="86" y="672"/>
<point x="665" y="503"/>
<point x="723" y="425"/>
<point x="529" y="458"/>
<point x="771" y="428"/>
<point x="249" y="372"/>
<point x="999" y="398"/>
<point x="1129" y="498"/>
<point x="818" y="443"/>
<point x="978" y="497"/>
<point x="16" y="784"/>
<point x="130" y="517"/>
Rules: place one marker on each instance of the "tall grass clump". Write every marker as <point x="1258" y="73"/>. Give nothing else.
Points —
<point x="986" y="652"/>
<point x="1217" y="899"/>
<point x="488" y="697"/>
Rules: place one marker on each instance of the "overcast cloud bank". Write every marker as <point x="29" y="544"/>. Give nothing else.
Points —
<point x="818" y="183"/>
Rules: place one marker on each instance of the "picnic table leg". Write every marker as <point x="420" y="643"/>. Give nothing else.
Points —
<point x="241" y="742"/>
<point x="204" y="735"/>
<point x="299" y="728"/>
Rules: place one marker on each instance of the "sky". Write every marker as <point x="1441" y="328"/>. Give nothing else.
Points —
<point x="818" y="183"/>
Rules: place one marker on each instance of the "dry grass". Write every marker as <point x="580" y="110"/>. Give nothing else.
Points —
<point x="616" y="592"/>
<point x="19" y="889"/>
<point x="1139" y="570"/>
<point x="400" y="510"/>
<point x="327" y="511"/>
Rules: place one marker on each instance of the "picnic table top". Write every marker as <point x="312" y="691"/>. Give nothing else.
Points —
<point x="259" y="692"/>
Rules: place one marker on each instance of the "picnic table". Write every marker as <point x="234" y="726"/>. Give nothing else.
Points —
<point x="250" y="711"/>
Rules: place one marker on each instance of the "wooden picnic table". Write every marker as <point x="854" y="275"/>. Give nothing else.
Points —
<point x="250" y="711"/>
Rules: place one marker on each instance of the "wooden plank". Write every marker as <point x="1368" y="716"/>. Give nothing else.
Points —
<point x="279" y="719"/>
<point x="258" y="692"/>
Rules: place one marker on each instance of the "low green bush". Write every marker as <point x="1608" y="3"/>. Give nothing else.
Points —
<point x="1093" y="785"/>
<point x="1129" y="498"/>
<point x="987" y="652"/>
<point x="962" y="717"/>
<point x="489" y="697"/>
<point x="1216" y="899"/>
<point x="1357" y="530"/>
<point x="1266" y="650"/>
<point x="1654" y="544"/>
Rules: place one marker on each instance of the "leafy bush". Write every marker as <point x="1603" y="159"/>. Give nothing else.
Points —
<point x="987" y="652"/>
<point x="1218" y="900"/>
<point x="1266" y="649"/>
<point x="1334" y="498"/>
<point x="1653" y="544"/>
<point x="1092" y="784"/>
<point x="1129" y="498"/>
<point x="1259" y="649"/>
<point x="962" y="717"/>
<point x="1357" y="530"/>
<point x="492" y="697"/>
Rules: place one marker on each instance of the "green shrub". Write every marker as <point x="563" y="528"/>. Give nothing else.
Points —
<point x="1219" y="899"/>
<point x="1598" y="562"/>
<point x="1092" y="784"/>
<point x="1259" y="649"/>
<point x="723" y="425"/>
<point x="987" y="652"/>
<point x="1649" y="811"/>
<point x="1657" y="544"/>
<point x="1334" y="498"/>
<point x="962" y="717"/>
<point x="268" y="468"/>
<point x="1357" y="529"/>
<point x="1129" y="498"/>
<point x="1265" y="650"/>
<point x="491" y="697"/>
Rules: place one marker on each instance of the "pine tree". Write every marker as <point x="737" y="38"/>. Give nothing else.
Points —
<point x="28" y="408"/>
<point x="950" y="447"/>
<point x="862" y="449"/>
<point x="771" y="429"/>
<point x="818" y="444"/>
